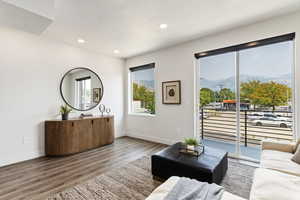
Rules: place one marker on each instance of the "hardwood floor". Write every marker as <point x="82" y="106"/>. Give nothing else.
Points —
<point x="36" y="179"/>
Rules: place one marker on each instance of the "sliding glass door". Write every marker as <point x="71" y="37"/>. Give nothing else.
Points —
<point x="246" y="96"/>
<point x="266" y="86"/>
<point x="218" y="85"/>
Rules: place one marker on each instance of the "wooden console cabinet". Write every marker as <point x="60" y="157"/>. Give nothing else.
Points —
<point x="77" y="135"/>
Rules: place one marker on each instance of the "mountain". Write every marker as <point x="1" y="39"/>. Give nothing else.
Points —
<point x="230" y="82"/>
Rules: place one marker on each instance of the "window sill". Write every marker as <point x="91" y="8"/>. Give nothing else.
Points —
<point x="141" y="114"/>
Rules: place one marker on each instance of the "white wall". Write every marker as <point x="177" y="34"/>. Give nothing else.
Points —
<point x="173" y="123"/>
<point x="30" y="71"/>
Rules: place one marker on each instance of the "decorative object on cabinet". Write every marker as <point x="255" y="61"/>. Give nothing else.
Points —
<point x="81" y="89"/>
<point x="102" y="109"/>
<point x="171" y="92"/>
<point x="77" y="135"/>
<point x="82" y="115"/>
<point x="108" y="110"/>
<point x="64" y="111"/>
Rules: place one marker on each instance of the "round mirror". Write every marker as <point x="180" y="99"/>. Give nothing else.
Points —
<point x="81" y="89"/>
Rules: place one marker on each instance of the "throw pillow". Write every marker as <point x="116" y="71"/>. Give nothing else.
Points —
<point x="296" y="157"/>
<point x="297" y="145"/>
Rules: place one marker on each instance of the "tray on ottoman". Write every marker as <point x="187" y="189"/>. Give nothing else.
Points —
<point x="210" y="166"/>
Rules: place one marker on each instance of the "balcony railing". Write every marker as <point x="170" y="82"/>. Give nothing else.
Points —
<point x="254" y="125"/>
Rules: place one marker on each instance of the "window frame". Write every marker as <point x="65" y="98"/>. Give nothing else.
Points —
<point x="130" y="89"/>
<point x="238" y="49"/>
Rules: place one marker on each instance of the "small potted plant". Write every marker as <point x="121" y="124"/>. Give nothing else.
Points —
<point x="64" y="111"/>
<point x="190" y="143"/>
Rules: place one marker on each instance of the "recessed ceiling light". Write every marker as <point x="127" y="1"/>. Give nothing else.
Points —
<point x="163" y="26"/>
<point x="80" y="40"/>
<point x="116" y="51"/>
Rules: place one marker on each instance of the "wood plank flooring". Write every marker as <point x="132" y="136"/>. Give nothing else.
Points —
<point x="38" y="178"/>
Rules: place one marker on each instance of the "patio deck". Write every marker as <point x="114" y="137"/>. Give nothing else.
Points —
<point x="253" y="152"/>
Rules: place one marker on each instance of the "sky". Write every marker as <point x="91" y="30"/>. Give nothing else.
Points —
<point x="269" y="61"/>
<point x="147" y="74"/>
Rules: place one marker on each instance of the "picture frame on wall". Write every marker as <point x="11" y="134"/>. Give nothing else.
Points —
<point x="96" y="95"/>
<point x="171" y="92"/>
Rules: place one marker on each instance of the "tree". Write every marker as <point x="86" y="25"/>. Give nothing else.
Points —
<point x="139" y="93"/>
<point x="273" y="94"/>
<point x="249" y="92"/>
<point x="226" y="94"/>
<point x="135" y="95"/>
<point x="145" y="96"/>
<point x="206" y="96"/>
<point x="150" y="102"/>
<point x="217" y="96"/>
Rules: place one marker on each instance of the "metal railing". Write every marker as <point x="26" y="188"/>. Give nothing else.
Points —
<point x="255" y="125"/>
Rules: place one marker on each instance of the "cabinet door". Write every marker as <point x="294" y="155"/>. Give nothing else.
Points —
<point x="85" y="134"/>
<point x="107" y="136"/>
<point x="61" y="138"/>
<point x="98" y="129"/>
<point x="69" y="138"/>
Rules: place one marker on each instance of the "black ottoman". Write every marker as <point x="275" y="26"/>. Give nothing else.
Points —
<point x="210" y="166"/>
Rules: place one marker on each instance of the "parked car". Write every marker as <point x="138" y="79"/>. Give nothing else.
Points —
<point x="259" y="115"/>
<point x="277" y="117"/>
<point x="255" y="115"/>
<point x="270" y="121"/>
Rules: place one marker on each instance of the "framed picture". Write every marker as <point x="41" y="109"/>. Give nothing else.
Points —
<point x="96" y="95"/>
<point x="171" y="92"/>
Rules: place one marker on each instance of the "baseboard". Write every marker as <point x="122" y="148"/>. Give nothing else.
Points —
<point x="120" y="136"/>
<point x="151" y="139"/>
<point x="19" y="158"/>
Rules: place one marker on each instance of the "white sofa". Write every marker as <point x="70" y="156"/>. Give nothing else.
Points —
<point x="278" y="177"/>
<point x="161" y="192"/>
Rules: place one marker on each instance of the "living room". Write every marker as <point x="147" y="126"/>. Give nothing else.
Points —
<point x="151" y="62"/>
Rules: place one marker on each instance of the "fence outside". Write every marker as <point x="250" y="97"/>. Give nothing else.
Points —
<point x="255" y="125"/>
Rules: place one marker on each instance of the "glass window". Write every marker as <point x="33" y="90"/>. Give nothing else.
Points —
<point x="142" y="87"/>
<point x="246" y="96"/>
<point x="84" y="97"/>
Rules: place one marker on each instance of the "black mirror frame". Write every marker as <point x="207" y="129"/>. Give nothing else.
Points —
<point x="61" y="93"/>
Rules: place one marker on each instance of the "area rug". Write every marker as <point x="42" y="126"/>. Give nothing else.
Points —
<point x="134" y="182"/>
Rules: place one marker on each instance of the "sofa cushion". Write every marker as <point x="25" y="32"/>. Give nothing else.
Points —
<point x="296" y="156"/>
<point x="161" y="192"/>
<point x="271" y="185"/>
<point x="297" y="145"/>
<point x="284" y="146"/>
<point x="280" y="161"/>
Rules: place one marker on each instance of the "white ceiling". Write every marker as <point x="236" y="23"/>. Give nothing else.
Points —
<point x="132" y="26"/>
